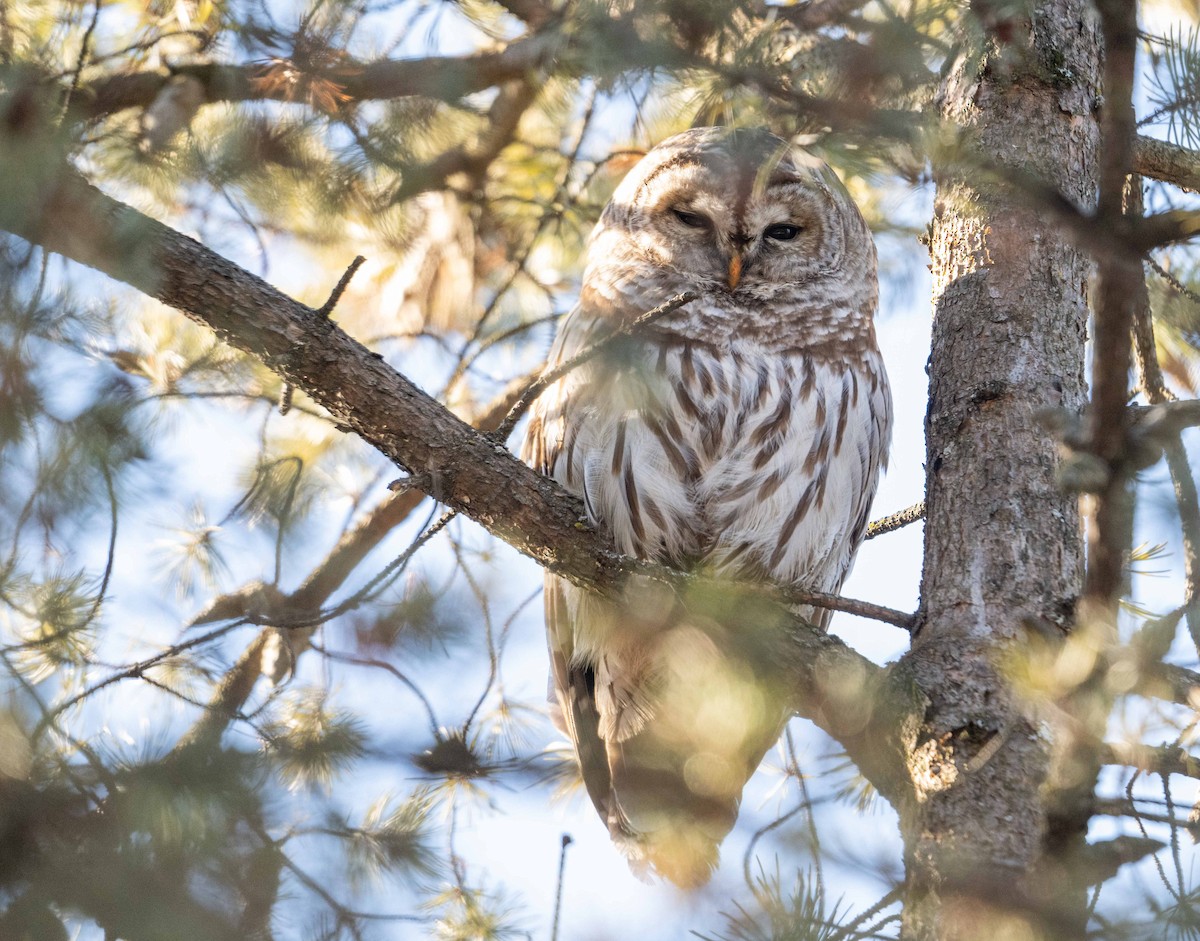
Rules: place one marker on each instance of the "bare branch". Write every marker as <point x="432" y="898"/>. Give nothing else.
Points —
<point x="447" y="78"/>
<point x="1169" y="163"/>
<point x="863" y="609"/>
<point x="1165" y="228"/>
<point x="503" y="117"/>
<point x="1166" y="417"/>
<point x="340" y="288"/>
<point x="1169" y="681"/>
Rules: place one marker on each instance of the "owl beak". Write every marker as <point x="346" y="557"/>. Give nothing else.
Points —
<point x="735" y="271"/>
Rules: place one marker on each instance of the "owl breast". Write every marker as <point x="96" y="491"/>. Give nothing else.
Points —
<point x="752" y="462"/>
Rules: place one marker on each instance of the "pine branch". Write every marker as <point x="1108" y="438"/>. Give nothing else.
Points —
<point x="446" y="78"/>
<point x="1167" y="162"/>
<point x="1167" y="418"/>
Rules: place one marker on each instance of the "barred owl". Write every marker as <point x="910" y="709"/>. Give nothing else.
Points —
<point x="741" y="435"/>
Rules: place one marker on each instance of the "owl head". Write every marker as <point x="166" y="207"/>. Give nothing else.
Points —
<point x="739" y="213"/>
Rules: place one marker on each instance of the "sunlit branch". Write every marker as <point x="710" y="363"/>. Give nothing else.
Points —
<point x="897" y="520"/>
<point x="1167" y="162"/>
<point x="447" y="78"/>
<point x="864" y="609"/>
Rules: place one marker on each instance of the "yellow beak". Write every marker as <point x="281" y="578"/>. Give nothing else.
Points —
<point x="735" y="271"/>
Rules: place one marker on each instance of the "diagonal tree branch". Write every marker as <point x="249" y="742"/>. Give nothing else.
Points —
<point x="452" y="462"/>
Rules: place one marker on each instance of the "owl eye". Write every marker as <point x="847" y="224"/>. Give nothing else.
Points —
<point x="693" y="220"/>
<point x="782" y="233"/>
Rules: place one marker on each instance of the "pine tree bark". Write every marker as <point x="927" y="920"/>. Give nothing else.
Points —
<point x="1003" y="549"/>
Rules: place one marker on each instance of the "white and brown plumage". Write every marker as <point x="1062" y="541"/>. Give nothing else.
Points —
<point x="742" y="434"/>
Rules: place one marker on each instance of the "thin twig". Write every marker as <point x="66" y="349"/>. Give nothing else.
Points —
<point x="340" y="288"/>
<point x="1173" y="281"/>
<point x="355" y="660"/>
<point x="558" y="892"/>
<point x="517" y="265"/>
<point x="1166" y="759"/>
<point x="285" y="395"/>
<point x="863" y="609"/>
<point x="1127" y="807"/>
<point x="81" y="62"/>
<point x="547" y="379"/>
<point x="897" y="520"/>
<point x="136" y="670"/>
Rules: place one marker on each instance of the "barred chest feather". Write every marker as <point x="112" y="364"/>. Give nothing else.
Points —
<point x="753" y="462"/>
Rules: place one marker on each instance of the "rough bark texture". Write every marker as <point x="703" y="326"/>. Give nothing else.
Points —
<point x="1002" y="540"/>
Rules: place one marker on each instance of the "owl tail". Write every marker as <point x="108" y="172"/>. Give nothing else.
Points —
<point x="682" y="854"/>
<point x="669" y="785"/>
<point x="662" y="813"/>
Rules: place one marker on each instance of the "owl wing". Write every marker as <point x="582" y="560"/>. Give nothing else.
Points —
<point x="608" y="669"/>
<point x="578" y="427"/>
<point x="550" y="448"/>
<point x="574" y="706"/>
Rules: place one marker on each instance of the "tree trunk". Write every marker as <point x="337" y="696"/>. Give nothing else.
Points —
<point x="1003" y="550"/>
